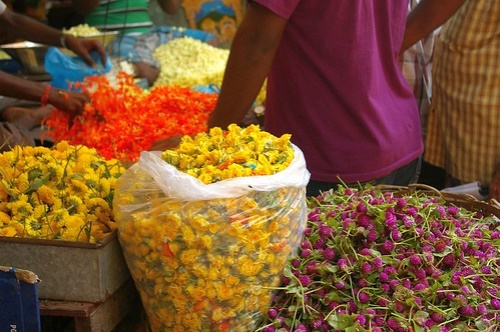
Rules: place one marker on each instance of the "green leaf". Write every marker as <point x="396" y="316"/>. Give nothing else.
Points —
<point x="340" y="322"/>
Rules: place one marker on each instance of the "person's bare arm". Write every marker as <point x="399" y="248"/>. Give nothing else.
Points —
<point x="84" y="7"/>
<point x="426" y="17"/>
<point x="29" y="29"/>
<point x="170" y="6"/>
<point x="252" y="53"/>
<point x="68" y="101"/>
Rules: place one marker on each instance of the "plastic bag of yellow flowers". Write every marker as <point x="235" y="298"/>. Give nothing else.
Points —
<point x="207" y="228"/>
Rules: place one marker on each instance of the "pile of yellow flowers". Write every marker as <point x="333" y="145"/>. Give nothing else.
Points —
<point x="210" y="264"/>
<point x="62" y="193"/>
<point x="219" y="155"/>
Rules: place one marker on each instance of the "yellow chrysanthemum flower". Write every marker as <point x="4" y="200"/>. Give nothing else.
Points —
<point x="46" y="191"/>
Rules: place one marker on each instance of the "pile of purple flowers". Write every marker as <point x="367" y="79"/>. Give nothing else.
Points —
<point x="375" y="260"/>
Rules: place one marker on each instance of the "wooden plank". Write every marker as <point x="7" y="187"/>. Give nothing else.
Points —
<point x="102" y="317"/>
<point x="66" y="308"/>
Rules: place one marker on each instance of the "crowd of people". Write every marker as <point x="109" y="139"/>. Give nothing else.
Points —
<point x="338" y="75"/>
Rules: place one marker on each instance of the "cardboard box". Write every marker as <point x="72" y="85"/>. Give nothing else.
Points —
<point x="19" y="300"/>
<point x="70" y="271"/>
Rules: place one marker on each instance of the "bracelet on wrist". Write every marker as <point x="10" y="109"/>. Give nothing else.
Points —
<point x="63" y="41"/>
<point x="45" y="97"/>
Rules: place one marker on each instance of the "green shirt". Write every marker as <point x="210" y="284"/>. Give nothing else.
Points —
<point x="126" y="16"/>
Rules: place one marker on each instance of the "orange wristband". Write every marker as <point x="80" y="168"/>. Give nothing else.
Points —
<point x="45" y="96"/>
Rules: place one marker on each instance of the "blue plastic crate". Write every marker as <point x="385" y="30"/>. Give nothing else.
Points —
<point x="20" y="310"/>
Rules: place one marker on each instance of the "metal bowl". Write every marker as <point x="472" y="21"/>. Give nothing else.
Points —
<point x="103" y="37"/>
<point x="31" y="56"/>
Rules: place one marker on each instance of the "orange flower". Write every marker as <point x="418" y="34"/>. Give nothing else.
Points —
<point x="122" y="119"/>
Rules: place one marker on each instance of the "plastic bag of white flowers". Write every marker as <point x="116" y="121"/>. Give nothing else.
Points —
<point x="207" y="228"/>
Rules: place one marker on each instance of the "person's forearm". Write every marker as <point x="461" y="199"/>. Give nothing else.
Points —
<point x="427" y="16"/>
<point x="30" y="29"/>
<point x="169" y="6"/>
<point x="252" y="53"/>
<point x="16" y="87"/>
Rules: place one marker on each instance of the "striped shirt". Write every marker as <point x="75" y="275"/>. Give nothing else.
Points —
<point x="126" y="16"/>
<point x="463" y="130"/>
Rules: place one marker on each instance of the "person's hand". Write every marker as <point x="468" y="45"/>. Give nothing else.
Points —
<point x="82" y="47"/>
<point x="494" y="187"/>
<point x="166" y="143"/>
<point x="71" y="102"/>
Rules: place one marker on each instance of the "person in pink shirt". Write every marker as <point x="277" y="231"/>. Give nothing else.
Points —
<point x="334" y="84"/>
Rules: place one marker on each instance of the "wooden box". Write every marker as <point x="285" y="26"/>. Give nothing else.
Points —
<point x="70" y="271"/>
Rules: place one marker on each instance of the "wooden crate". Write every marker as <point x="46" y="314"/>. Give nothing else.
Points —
<point x="69" y="271"/>
<point x="105" y="316"/>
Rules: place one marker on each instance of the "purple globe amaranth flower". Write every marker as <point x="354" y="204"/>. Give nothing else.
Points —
<point x="366" y="268"/>
<point x="385" y="287"/>
<point x="362" y="283"/>
<point x="396" y="235"/>
<point x="361" y="207"/>
<point x="328" y="254"/>
<point x="319" y="245"/>
<point x="305" y="280"/>
<point x="391" y="220"/>
<point x="343" y="264"/>
<point x="305" y="245"/>
<point x="307" y="231"/>
<point x="314" y="215"/>
<point x="449" y="260"/>
<point x="415" y="260"/>
<point x="363" y="297"/>
<point x="420" y="273"/>
<point x="495" y="303"/>
<point x="305" y="253"/>
<point x="352" y="305"/>
<point x="437" y="317"/>
<point x="340" y="285"/>
<point x="378" y="263"/>
<point x="268" y="329"/>
<point x="440" y="246"/>
<point x="399" y="306"/>
<point x="372" y="236"/>
<point x="419" y="287"/>
<point x="301" y="328"/>
<point x="429" y="323"/>
<point x="365" y="252"/>
<point x="387" y="246"/>
<point x="390" y="270"/>
<point x="295" y="263"/>
<point x="393" y="324"/>
<point x="383" y="302"/>
<point x="361" y="319"/>
<point x="460" y="299"/>
<point x="346" y="223"/>
<point x="272" y="313"/>
<point x="312" y="267"/>
<point x="363" y="220"/>
<point x="467" y="311"/>
<point x="406" y="283"/>
<point x="394" y="283"/>
<point x="481" y="309"/>
<point x="325" y="232"/>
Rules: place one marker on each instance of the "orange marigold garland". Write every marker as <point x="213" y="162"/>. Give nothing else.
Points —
<point x="122" y="119"/>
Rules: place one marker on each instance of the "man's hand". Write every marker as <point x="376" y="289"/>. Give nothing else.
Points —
<point x="82" y="47"/>
<point x="71" y="102"/>
<point x="166" y="143"/>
